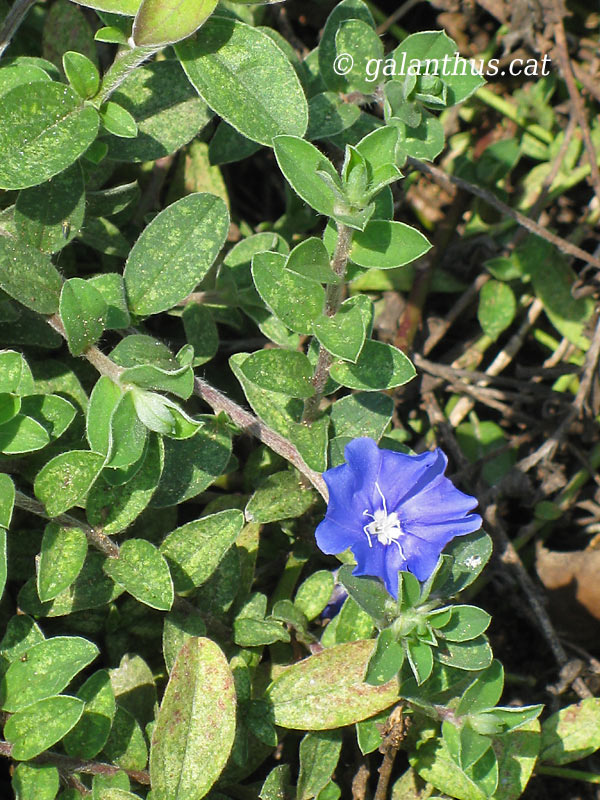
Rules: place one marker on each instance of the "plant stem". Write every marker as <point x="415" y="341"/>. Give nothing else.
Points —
<point x="569" y="774"/>
<point x="122" y="66"/>
<point x="94" y="536"/>
<point x="77" y="765"/>
<point x="14" y="18"/>
<point x="218" y="402"/>
<point x="333" y="300"/>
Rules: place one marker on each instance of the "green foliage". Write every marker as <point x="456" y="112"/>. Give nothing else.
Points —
<point x="140" y="521"/>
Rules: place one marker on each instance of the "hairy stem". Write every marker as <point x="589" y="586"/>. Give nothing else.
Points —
<point x="218" y="402"/>
<point x="94" y="536"/>
<point x="14" y="18"/>
<point x="121" y="67"/>
<point x="77" y="765"/>
<point x="333" y="300"/>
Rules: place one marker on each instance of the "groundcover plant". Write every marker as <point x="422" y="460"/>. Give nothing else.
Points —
<point x="243" y="532"/>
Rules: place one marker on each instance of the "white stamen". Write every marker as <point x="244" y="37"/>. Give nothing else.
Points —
<point x="386" y="527"/>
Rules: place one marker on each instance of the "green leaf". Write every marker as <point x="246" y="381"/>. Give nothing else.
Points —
<point x="65" y="480"/>
<point x="39" y="726"/>
<point x="468" y="556"/>
<point x="459" y="78"/>
<point x="22" y="434"/>
<point x="127" y="7"/>
<point x="83" y="313"/>
<point x="15" y="375"/>
<point x="572" y="733"/>
<point x="360" y="40"/>
<point x="370" y="594"/>
<point x="81" y="73"/>
<point x="178" y="381"/>
<point x="497" y="308"/>
<point x="319" y="755"/>
<point x="276" y="285"/>
<point x="28" y="275"/>
<point x="175" y="252"/>
<point x="180" y="626"/>
<point x="195" y="550"/>
<point x="201" y="332"/>
<point x="103" y="401"/>
<point x="310" y="259"/>
<point x="47" y="669"/>
<point x="126" y="745"/>
<point x="227" y="146"/>
<point x="420" y="659"/>
<point x="352" y="623"/>
<point x="159" y="22"/>
<point x="112" y="288"/>
<point x="35" y="782"/>
<point x="384" y="244"/>
<point x="195" y="726"/>
<point x="191" y="465"/>
<point x="379" y="366"/>
<point x="285" y="371"/>
<point x="10" y="406"/>
<point x="466" y="623"/>
<point x="368" y="737"/>
<point x="91" y="589"/>
<point x="107" y="203"/>
<point x="343" y="335"/>
<point x="300" y="161"/>
<point x="326" y="690"/>
<point x="386" y="661"/>
<point x="246" y="78"/>
<point x="552" y="281"/>
<point x="127" y="435"/>
<point x="313" y="594"/>
<point x="281" y="496"/>
<point x="118" y="121"/>
<point x="3" y="561"/>
<point x="346" y="10"/>
<point x="142" y="571"/>
<point x="44" y="130"/>
<point x="484" y="692"/>
<point x="166" y="109"/>
<point x="49" y="216"/>
<point x="329" y="115"/>
<point x="277" y="784"/>
<point x="258" y="632"/>
<point x="424" y="141"/>
<point x="114" y="507"/>
<point x="472" y="655"/>
<point x="362" y="414"/>
<point x="61" y="558"/>
<point x="7" y="499"/>
<point x="91" y="733"/>
<point x="19" y="74"/>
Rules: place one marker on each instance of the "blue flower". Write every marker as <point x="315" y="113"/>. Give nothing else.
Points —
<point x="395" y="511"/>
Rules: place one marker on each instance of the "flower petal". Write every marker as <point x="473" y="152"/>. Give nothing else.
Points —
<point x="402" y="475"/>
<point x="421" y="556"/>
<point x="333" y="537"/>
<point x="364" y="458"/>
<point x="343" y="502"/>
<point x="381" y="561"/>
<point x="440" y="501"/>
<point x="442" y="532"/>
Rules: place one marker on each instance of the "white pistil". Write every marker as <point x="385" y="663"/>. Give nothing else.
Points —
<point x="386" y="527"/>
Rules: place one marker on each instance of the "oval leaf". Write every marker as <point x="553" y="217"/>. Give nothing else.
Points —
<point x="143" y="572"/>
<point x="47" y="668"/>
<point x="45" y="128"/>
<point x="66" y="479"/>
<point x="195" y="725"/>
<point x="41" y="725"/>
<point x="384" y="244"/>
<point x="175" y="252"/>
<point x="246" y="78"/>
<point x="327" y="690"/>
<point x="160" y="22"/>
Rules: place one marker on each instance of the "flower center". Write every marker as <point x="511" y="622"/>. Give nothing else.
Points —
<point x="386" y="527"/>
